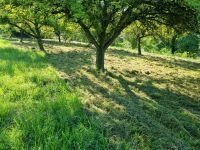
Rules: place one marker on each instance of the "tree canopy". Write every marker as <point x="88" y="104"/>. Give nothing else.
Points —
<point x="29" y="17"/>
<point x="103" y="20"/>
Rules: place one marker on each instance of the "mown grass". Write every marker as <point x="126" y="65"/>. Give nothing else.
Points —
<point x="37" y="110"/>
<point x="141" y="102"/>
<point x="146" y="102"/>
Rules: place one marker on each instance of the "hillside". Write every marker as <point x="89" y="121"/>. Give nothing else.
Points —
<point x="37" y="109"/>
<point x="146" y="102"/>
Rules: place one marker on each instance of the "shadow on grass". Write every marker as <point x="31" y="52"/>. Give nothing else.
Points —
<point x="14" y="57"/>
<point x="163" y="61"/>
<point x="45" y="115"/>
<point x="66" y="44"/>
<point x="156" y="119"/>
<point x="70" y="62"/>
<point x="161" y="119"/>
<point x="48" y="44"/>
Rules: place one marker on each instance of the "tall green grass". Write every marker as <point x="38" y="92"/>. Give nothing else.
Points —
<point x="37" y="111"/>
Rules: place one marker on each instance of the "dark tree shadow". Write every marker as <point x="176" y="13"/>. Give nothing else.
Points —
<point x="173" y="63"/>
<point x="163" y="61"/>
<point x="70" y="62"/>
<point x="66" y="44"/>
<point x="122" y="53"/>
<point x="169" y="107"/>
<point x="31" y="43"/>
<point x="164" y="97"/>
<point x="133" y="112"/>
<point x="157" y="116"/>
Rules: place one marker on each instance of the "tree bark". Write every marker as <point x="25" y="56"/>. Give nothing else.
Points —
<point x="139" y="45"/>
<point x="40" y="44"/>
<point x="173" y="44"/>
<point x="100" y="56"/>
<point x="39" y="37"/>
<point x="102" y="42"/>
<point x="58" y="34"/>
<point x="59" y="38"/>
<point x="21" y="37"/>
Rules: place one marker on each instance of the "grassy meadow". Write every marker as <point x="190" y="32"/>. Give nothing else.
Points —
<point x="58" y="101"/>
<point x="37" y="109"/>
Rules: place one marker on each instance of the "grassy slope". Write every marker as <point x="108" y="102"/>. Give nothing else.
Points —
<point x="37" y="111"/>
<point x="151" y="102"/>
<point x="148" y="102"/>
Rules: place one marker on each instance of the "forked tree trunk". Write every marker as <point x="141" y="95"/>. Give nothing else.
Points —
<point x="100" y="56"/>
<point x="102" y="42"/>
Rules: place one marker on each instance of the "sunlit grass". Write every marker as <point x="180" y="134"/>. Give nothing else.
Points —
<point x="141" y="102"/>
<point x="37" y="110"/>
<point x="148" y="102"/>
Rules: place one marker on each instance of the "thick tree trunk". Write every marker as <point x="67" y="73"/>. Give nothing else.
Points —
<point x="40" y="44"/>
<point x="100" y="56"/>
<point x="101" y="42"/>
<point x="173" y="44"/>
<point x="139" y="45"/>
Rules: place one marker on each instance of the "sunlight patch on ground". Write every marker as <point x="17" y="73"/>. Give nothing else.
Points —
<point x="149" y="102"/>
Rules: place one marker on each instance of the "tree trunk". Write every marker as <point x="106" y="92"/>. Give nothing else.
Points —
<point x="58" y="34"/>
<point x="139" y="45"/>
<point x="59" y="38"/>
<point x="40" y="44"/>
<point x="100" y="56"/>
<point x="21" y="37"/>
<point x="39" y="38"/>
<point x="173" y="44"/>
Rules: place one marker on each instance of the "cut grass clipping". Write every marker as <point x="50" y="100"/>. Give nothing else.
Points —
<point x="37" y="111"/>
<point x="148" y="102"/>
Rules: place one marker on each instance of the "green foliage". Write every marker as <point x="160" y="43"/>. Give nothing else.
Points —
<point x="196" y="5"/>
<point x="73" y="32"/>
<point x="28" y="17"/>
<point x="189" y="44"/>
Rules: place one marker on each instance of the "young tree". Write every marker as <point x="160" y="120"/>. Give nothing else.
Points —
<point x="58" y="23"/>
<point x="174" y="43"/>
<point x="168" y="37"/>
<point x="139" y="30"/>
<point x="103" y="20"/>
<point x="29" y="17"/>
